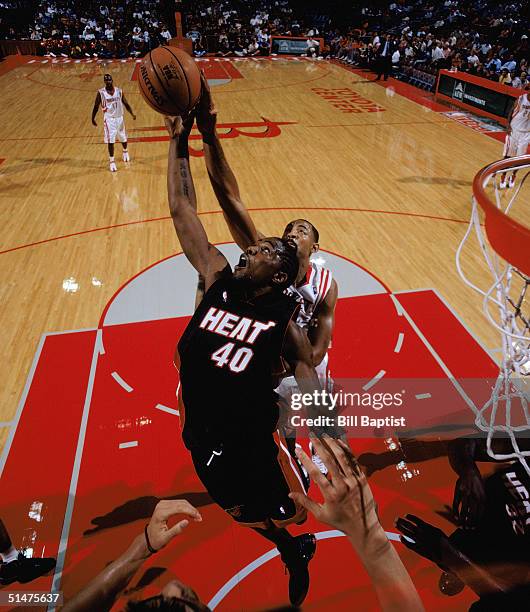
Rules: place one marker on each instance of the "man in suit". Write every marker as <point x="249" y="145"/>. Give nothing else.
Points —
<point x="384" y="57"/>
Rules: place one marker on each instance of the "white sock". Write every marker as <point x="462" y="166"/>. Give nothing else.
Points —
<point x="10" y="555"/>
<point x="111" y="159"/>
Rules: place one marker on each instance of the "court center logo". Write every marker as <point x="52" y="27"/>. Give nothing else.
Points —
<point x="250" y="129"/>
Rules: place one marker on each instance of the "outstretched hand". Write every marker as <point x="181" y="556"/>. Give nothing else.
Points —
<point x="206" y="111"/>
<point x="348" y="501"/>
<point x="469" y="501"/>
<point x="158" y="530"/>
<point x="178" y="126"/>
<point x="428" y="541"/>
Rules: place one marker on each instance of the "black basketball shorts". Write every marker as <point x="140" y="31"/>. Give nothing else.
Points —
<point x="251" y="480"/>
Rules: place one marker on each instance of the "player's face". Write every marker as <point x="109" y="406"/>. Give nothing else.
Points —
<point x="259" y="264"/>
<point x="301" y="233"/>
<point x="108" y="82"/>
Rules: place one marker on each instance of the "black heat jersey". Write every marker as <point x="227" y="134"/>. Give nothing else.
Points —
<point x="503" y="534"/>
<point x="227" y="353"/>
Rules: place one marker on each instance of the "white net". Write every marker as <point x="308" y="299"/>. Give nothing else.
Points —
<point x="506" y="304"/>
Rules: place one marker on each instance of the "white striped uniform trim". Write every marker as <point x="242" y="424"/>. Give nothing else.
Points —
<point x="311" y="293"/>
<point x="294" y="468"/>
<point x="325" y="285"/>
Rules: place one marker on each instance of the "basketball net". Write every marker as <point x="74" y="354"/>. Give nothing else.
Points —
<point x="505" y="245"/>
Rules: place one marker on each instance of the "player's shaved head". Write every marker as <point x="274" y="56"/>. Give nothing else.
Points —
<point x="292" y="224"/>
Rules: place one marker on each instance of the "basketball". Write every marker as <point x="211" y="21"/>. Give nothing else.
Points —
<point x="169" y="81"/>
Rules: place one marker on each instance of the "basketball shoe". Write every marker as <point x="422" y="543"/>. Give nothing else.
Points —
<point x="511" y="181"/>
<point x="502" y="184"/>
<point x="296" y="559"/>
<point x="24" y="569"/>
<point x="126" y="157"/>
<point x="113" y="167"/>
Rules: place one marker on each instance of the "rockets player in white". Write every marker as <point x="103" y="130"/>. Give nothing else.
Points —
<point x="112" y="100"/>
<point x="518" y="133"/>
<point x="315" y="288"/>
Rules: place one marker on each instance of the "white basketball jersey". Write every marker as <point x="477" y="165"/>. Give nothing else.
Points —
<point x="111" y="104"/>
<point x="521" y="115"/>
<point x="311" y="293"/>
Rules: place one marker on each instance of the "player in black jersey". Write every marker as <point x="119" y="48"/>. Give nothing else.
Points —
<point x="490" y="551"/>
<point x="225" y="359"/>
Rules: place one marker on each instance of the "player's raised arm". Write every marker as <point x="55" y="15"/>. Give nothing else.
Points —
<point x="222" y="178"/>
<point x="97" y="102"/>
<point x="348" y="504"/>
<point x="205" y="258"/>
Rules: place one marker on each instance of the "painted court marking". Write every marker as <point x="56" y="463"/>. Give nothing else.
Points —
<point x="374" y="380"/>
<point x="131" y="444"/>
<point x="437" y="357"/>
<point x="16" y="420"/>
<point x="121" y="382"/>
<point x="70" y="509"/>
<point x="421" y="396"/>
<point x="167" y="409"/>
<point x="61" y="554"/>
<point x="399" y="342"/>
<point x="266" y="557"/>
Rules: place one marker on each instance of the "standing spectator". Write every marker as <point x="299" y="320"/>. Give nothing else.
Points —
<point x="438" y="53"/>
<point x="384" y="59"/>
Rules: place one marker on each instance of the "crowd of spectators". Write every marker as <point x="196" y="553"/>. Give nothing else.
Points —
<point x="80" y="28"/>
<point x="482" y="37"/>
<point x="245" y="28"/>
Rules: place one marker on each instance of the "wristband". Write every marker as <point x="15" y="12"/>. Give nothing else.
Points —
<point x="149" y="547"/>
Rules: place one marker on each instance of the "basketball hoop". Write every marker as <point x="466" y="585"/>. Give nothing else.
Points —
<point x="505" y="245"/>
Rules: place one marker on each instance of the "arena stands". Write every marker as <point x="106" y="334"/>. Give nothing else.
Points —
<point x="76" y="28"/>
<point x="483" y="37"/>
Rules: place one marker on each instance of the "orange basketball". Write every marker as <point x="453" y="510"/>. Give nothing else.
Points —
<point x="169" y="81"/>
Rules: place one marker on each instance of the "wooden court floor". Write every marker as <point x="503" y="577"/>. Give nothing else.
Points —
<point x="378" y="168"/>
<point x="389" y="189"/>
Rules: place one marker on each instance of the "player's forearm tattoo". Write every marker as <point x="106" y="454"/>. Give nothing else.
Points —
<point x="185" y="178"/>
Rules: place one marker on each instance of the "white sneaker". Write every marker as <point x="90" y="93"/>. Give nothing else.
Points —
<point x="511" y="182"/>
<point x="126" y="157"/>
<point x="502" y="185"/>
<point x="112" y="167"/>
